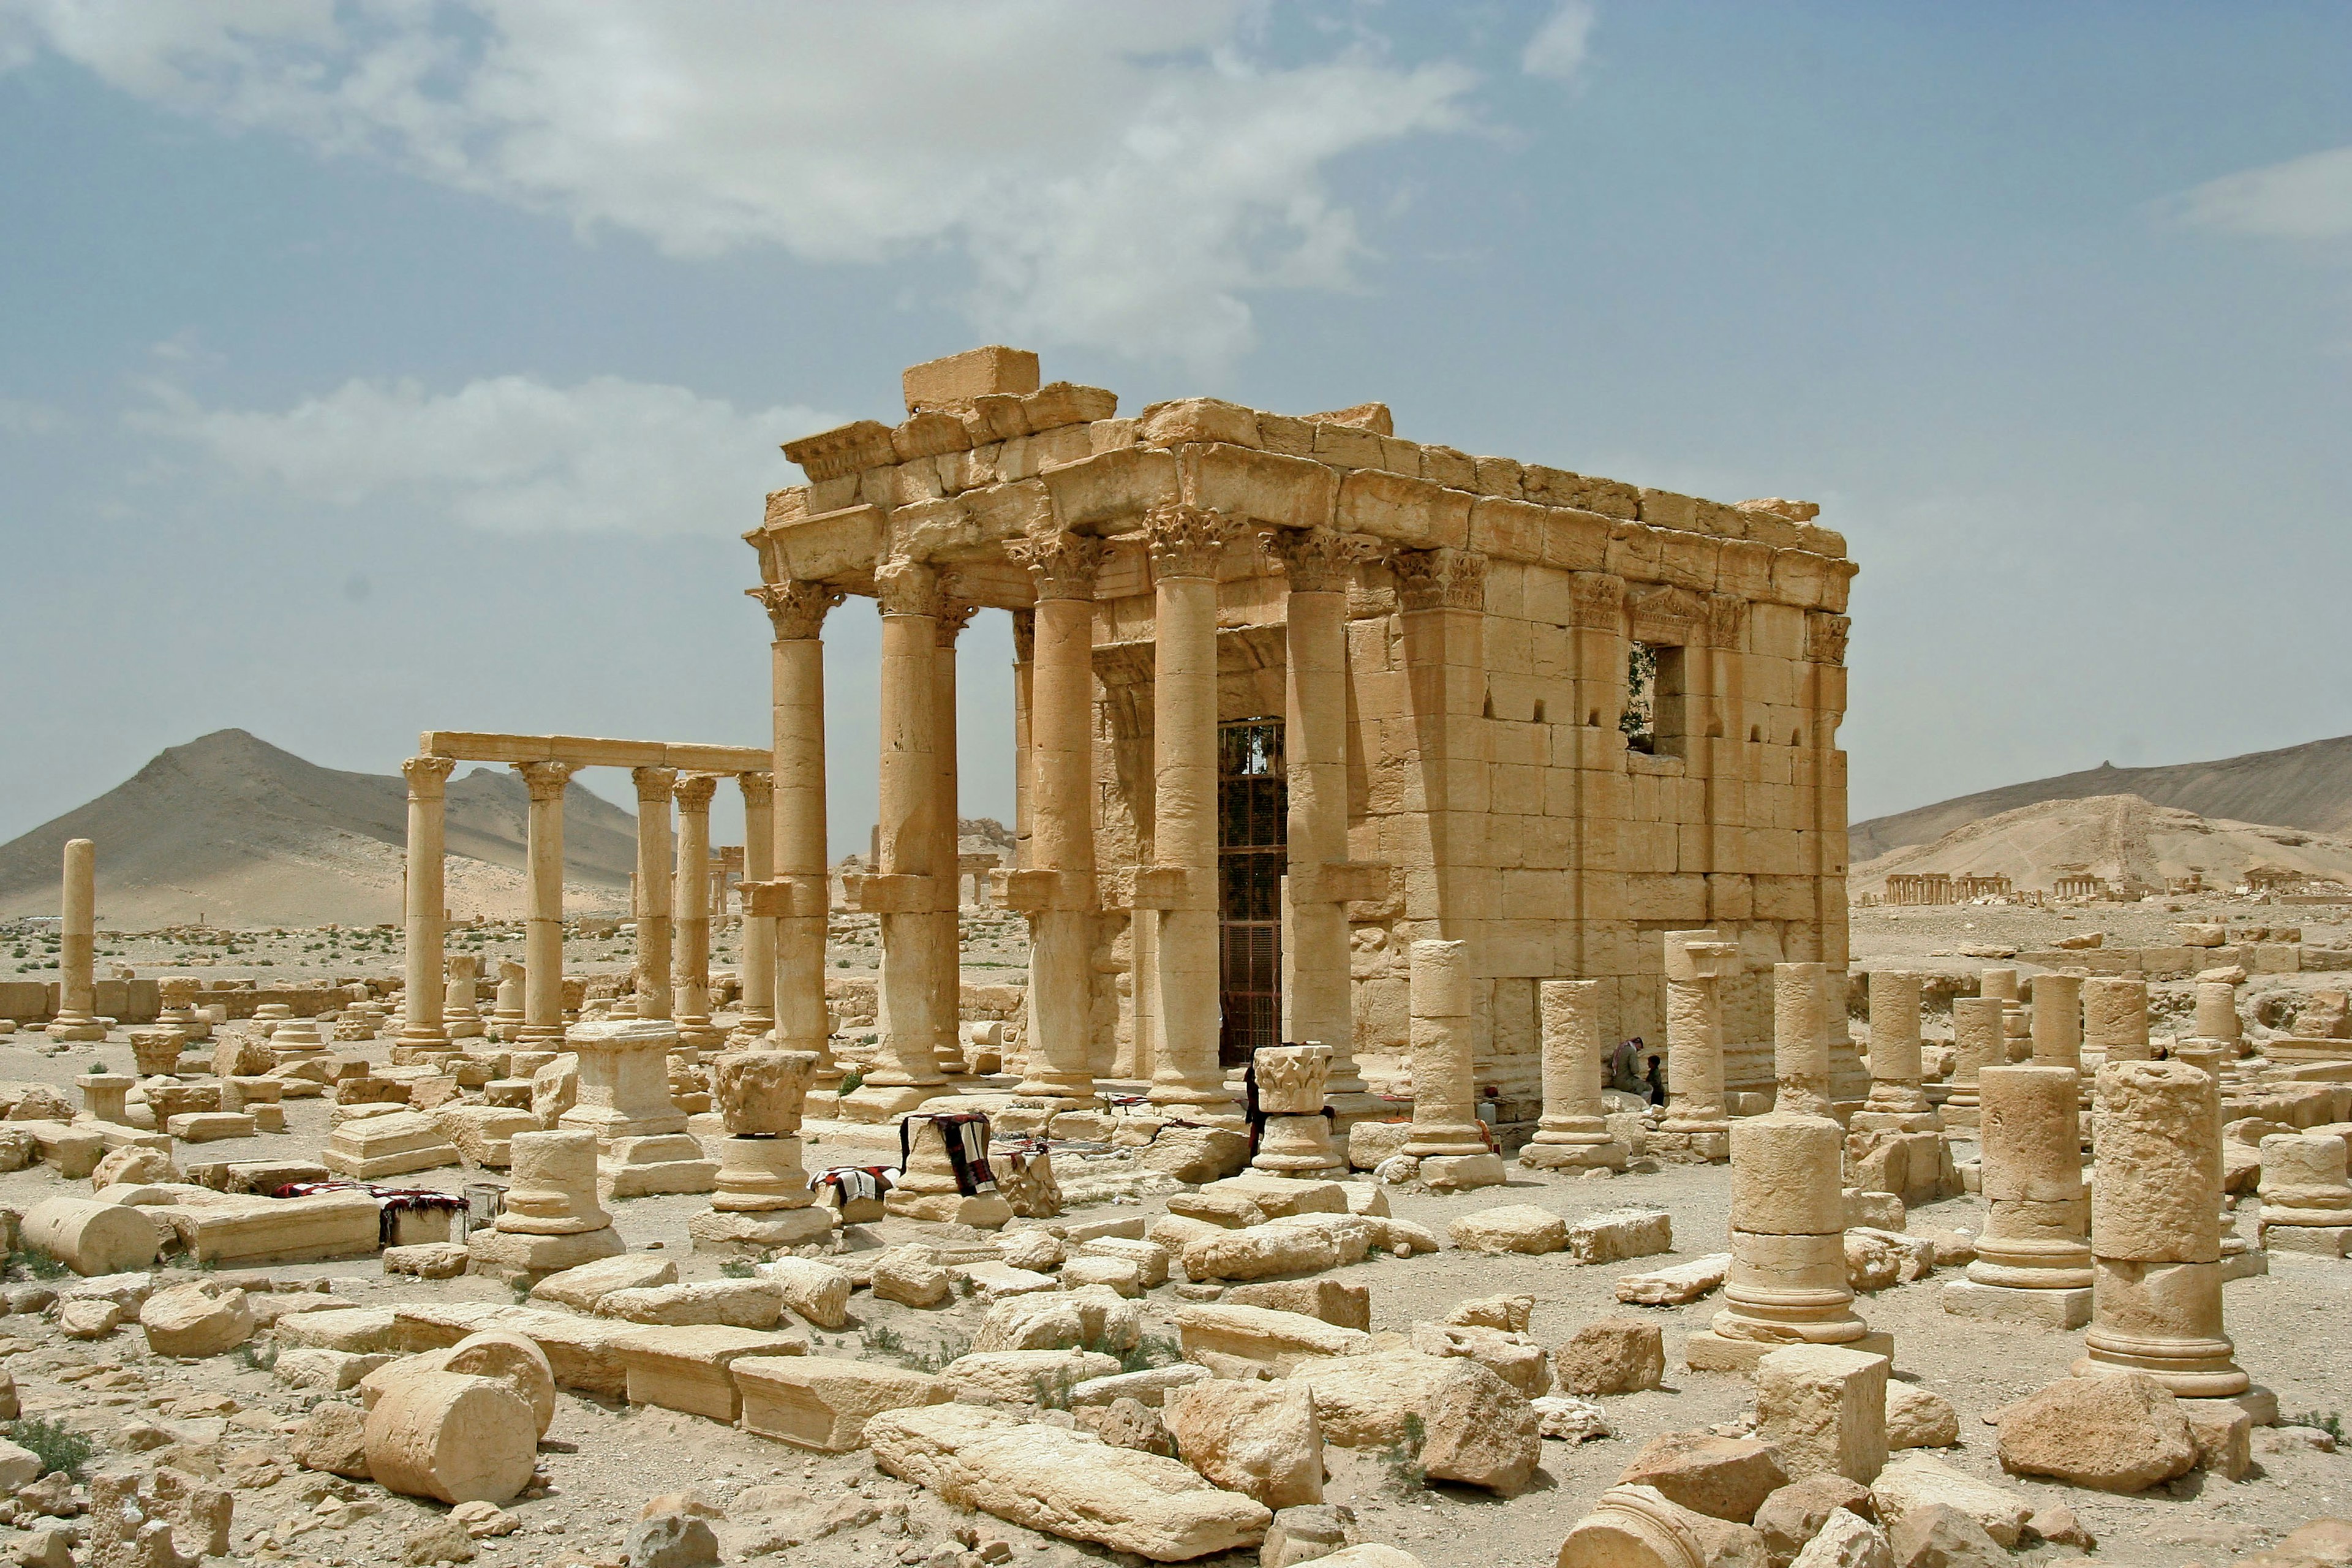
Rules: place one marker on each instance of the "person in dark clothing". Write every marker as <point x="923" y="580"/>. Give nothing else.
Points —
<point x="1657" y="1082"/>
<point x="1625" y="1067"/>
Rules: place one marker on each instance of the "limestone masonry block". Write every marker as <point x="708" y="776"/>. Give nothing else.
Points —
<point x="825" y="1402"/>
<point x="1826" y="1410"/>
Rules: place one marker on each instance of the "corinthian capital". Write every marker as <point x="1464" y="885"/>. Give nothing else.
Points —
<point x="1441" y="579"/>
<point x="426" y="775"/>
<point x="1317" y="560"/>
<point x="759" y="788"/>
<point x="545" y="781"/>
<point x="1596" y="598"/>
<point x="796" y="609"/>
<point x="654" y="785"/>
<point x="1062" y="565"/>
<point x="1186" y="540"/>
<point x="906" y="586"/>
<point x="694" y="791"/>
<point x="954" y="616"/>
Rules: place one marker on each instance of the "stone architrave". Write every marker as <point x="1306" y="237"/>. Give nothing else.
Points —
<point x="1788" y="1283"/>
<point x="78" y="948"/>
<point x="2115" y="1019"/>
<point x="1898" y="1101"/>
<point x="905" y="1069"/>
<point x="624" y="1100"/>
<point x="1572" y="1134"/>
<point x="1057" y="889"/>
<point x="1801" y="1047"/>
<point x="2306" y="1202"/>
<point x="927" y="1188"/>
<point x="654" y="894"/>
<point x="551" y="1219"/>
<point x="1295" y="1137"/>
<point x="542" y="950"/>
<point x="1185" y="544"/>
<point x="2033" y="1256"/>
<point x="425" y="904"/>
<point x="1445" y="1128"/>
<point x="1696" y="1129"/>
<point x="796" y="612"/>
<point x="689" y="977"/>
<point x="461" y="1007"/>
<point x="1976" y="1046"/>
<point x="2156" y="1233"/>
<point x="763" y="1199"/>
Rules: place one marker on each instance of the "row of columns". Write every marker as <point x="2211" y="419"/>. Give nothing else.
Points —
<point x="673" y="974"/>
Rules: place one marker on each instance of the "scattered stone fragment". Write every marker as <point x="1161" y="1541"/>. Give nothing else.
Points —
<point x="453" y="1437"/>
<point x="582" y="1288"/>
<point x="199" y="1319"/>
<point x="1511" y="1227"/>
<point x="442" y="1539"/>
<point x="1724" y="1477"/>
<point x="671" y="1541"/>
<point x="1918" y="1481"/>
<point x="1939" y="1535"/>
<point x="817" y="1291"/>
<point x="2119" y="1433"/>
<point x="1510" y="1313"/>
<point x="1126" y="1423"/>
<point x="1794" y="1514"/>
<point x="1611" y="1355"/>
<point x="910" y="1277"/>
<point x="1678" y="1286"/>
<point x="1620" y="1234"/>
<point x="1257" y="1438"/>
<point x="1569" y="1418"/>
<point x="1917" y="1418"/>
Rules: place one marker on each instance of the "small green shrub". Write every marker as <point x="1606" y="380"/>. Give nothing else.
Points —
<point x="34" y="1263"/>
<point x="56" y="1444"/>
<point x="851" y="1079"/>
<point x="2328" y="1421"/>
<point x="254" y="1357"/>
<point x="738" y="1268"/>
<point x="1403" y="1459"/>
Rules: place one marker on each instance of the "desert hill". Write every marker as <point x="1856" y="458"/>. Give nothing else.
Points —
<point x="2307" y="786"/>
<point x="2113" y="837"/>
<point x="237" y="831"/>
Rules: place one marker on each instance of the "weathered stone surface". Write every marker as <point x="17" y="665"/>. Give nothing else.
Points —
<point x="1148" y="1387"/>
<point x="817" y="1291"/>
<point x="1306" y="1533"/>
<point x="1115" y="1273"/>
<point x="1283" y="1197"/>
<point x="1794" y="1514"/>
<point x="1826" y="1409"/>
<point x="1875" y="1259"/>
<point x="1942" y="1536"/>
<point x="1280" y="1341"/>
<point x="1064" y="1483"/>
<point x="1918" y="1481"/>
<point x="450" y="1436"/>
<point x="736" y="1303"/>
<point x="1260" y="1252"/>
<point x="584" y="1353"/>
<point x="912" y="1276"/>
<point x="1725" y="1478"/>
<point x="1566" y="1417"/>
<point x="357" y="1330"/>
<point x="1611" y="1355"/>
<point x="1258" y="1438"/>
<point x="199" y="1319"/>
<point x="1092" y="1316"/>
<point x="1025" y="1377"/>
<point x="1510" y="1313"/>
<point x="1846" y="1540"/>
<point x="1677" y="1286"/>
<point x="825" y="1402"/>
<point x="2118" y="1433"/>
<point x="1620" y="1234"/>
<point x="89" y="1238"/>
<point x="1479" y="1430"/>
<point x="1370" y="1401"/>
<point x="1510" y="1228"/>
<point x="1633" y="1526"/>
<point x="671" y="1541"/>
<point x="1917" y="1418"/>
<point x="1195" y="1154"/>
<point x="1126" y="1422"/>
<point x="2223" y="1432"/>
<point x="1335" y="1301"/>
<point x="1516" y="1361"/>
<point x="581" y="1289"/>
<point x="333" y="1437"/>
<point x="326" y="1372"/>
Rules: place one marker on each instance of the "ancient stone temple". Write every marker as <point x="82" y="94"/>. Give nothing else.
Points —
<point x="1293" y="693"/>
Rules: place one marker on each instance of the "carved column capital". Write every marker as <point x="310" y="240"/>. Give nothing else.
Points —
<point x="546" y="779"/>
<point x="1062" y="565"/>
<point x="1597" y="599"/>
<point x="1825" y="638"/>
<point x="694" y="791"/>
<point x="1441" y="579"/>
<point x="954" y="616"/>
<point x="427" y="776"/>
<point x="759" y="788"/>
<point x="1025" y="636"/>
<point x="906" y="586"/>
<point x="1726" y="615"/>
<point x="1187" y="541"/>
<point x="1317" y="560"/>
<point x="796" y="610"/>
<point x="653" y="784"/>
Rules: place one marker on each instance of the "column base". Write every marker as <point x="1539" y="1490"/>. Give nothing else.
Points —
<point x="666" y="1163"/>
<point x="760" y="1232"/>
<point x="2320" y="1240"/>
<point x="880" y="1103"/>
<point x="1459" y="1173"/>
<point x="515" y="1259"/>
<point x="544" y="1036"/>
<point x="432" y="1037"/>
<point x="66" y="1026"/>
<point x="981" y="1211"/>
<point x="1691" y="1146"/>
<point x="1606" y="1155"/>
<point x="2188" y="1377"/>
<point x="2065" y="1308"/>
<point x="1708" y="1351"/>
<point x="1956" y="1115"/>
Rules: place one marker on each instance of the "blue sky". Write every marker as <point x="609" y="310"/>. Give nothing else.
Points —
<point x="370" y="367"/>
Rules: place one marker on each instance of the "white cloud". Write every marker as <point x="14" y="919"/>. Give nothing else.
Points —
<point x="1122" y="175"/>
<point x="2304" y="198"/>
<point x="1561" y="45"/>
<point x="512" y="453"/>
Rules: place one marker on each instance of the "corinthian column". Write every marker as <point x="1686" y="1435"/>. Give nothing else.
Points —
<point x="947" y="1050"/>
<point x="429" y="778"/>
<point x="543" y="944"/>
<point x="1185" y="544"/>
<point x="1059" y="882"/>
<point x="759" y="1009"/>
<point x="796" y="613"/>
<point x="905" y="1072"/>
<point x="78" y="948"/>
<point x="654" y="851"/>
<point x="690" y="973"/>
<point x="1318" y="563"/>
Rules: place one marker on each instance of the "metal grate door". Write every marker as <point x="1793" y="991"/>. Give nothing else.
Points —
<point x="1253" y="815"/>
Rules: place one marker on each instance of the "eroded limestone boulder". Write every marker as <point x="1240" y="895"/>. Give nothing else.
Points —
<point x="1259" y="1438"/>
<point x="2119" y="1433"/>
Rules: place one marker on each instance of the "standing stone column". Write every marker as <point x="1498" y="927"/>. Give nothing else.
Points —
<point x="1446" y="1136"/>
<point x="421" y="1027"/>
<point x="2033" y="1258"/>
<point x="2115" y="1019"/>
<point x="1897" y="1103"/>
<point x="1572" y="1134"/>
<point x="2001" y="984"/>
<point x="2155" y="1232"/>
<point x="1295" y="1138"/>
<point x="542" y="941"/>
<point x="2058" y="1021"/>
<point x="905" y="1070"/>
<point x="1695" y="1130"/>
<point x="803" y="898"/>
<point x="2306" y="1202"/>
<point x="763" y="1200"/>
<point x="1056" y="886"/>
<point x="78" y="948"/>
<point x="1788" y="1281"/>
<point x="551" y="1219"/>
<point x="1318" y="563"/>
<point x="758" y="1005"/>
<point x="1801" y="1047"/>
<point x="1185" y="544"/>
<point x="461" y="1004"/>
<point x="2216" y="1015"/>
<point x="655" y="897"/>
<point x="947" y="1047"/>
<point x="689" y="974"/>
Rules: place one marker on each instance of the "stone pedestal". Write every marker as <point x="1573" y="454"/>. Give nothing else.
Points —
<point x="1697" y="1128"/>
<point x="2033" y="1258"/>
<point x="1572" y="1134"/>
<point x="1295" y="1137"/>
<point x="2058" y="1021"/>
<point x="624" y="1101"/>
<point x="1976" y="1046"/>
<point x="78" y="948"/>
<point x="551" y="1220"/>
<point x="2216" y="1015"/>
<point x="2306" y="1202"/>
<point x="762" y="1198"/>
<point x="1998" y="984"/>
<point x="461" y="1008"/>
<point x="1788" y="1280"/>
<point x="105" y="1095"/>
<point x="1898" y="1098"/>
<point x="2156" y="1235"/>
<point x="506" y="1008"/>
<point x="1444" y="1120"/>
<point x="926" y="1188"/>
